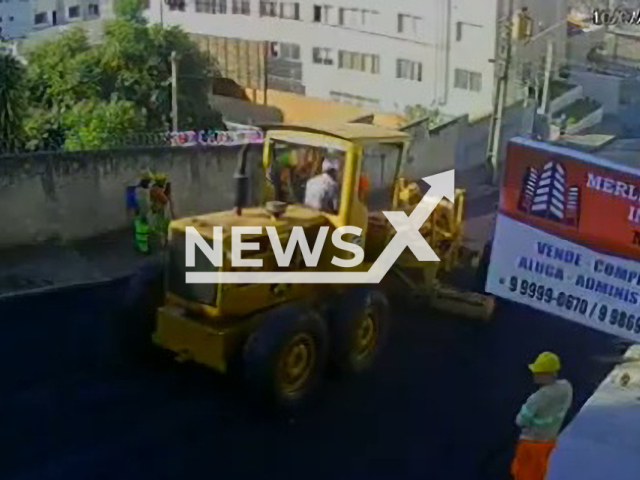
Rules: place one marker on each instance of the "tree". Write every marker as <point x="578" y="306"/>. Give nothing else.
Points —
<point x="95" y="124"/>
<point x="130" y="71"/>
<point x="62" y="72"/>
<point x="417" y="112"/>
<point x="12" y="102"/>
<point x="130" y="10"/>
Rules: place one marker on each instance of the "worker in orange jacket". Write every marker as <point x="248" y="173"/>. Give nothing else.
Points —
<point x="541" y="418"/>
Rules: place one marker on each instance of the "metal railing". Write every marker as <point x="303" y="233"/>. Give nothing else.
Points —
<point x="202" y="138"/>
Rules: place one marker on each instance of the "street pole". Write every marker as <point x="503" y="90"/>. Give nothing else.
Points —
<point x="174" y="90"/>
<point x="547" y="78"/>
<point x="162" y="13"/>
<point x="265" y="72"/>
<point x="503" y="64"/>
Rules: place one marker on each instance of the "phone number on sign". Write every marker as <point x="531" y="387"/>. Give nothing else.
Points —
<point x="572" y="303"/>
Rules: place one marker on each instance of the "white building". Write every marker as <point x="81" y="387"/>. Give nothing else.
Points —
<point x="22" y="18"/>
<point x="377" y="53"/>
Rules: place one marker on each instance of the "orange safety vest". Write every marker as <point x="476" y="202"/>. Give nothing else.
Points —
<point x="531" y="460"/>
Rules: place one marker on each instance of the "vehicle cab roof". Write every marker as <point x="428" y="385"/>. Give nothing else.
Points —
<point x="360" y="133"/>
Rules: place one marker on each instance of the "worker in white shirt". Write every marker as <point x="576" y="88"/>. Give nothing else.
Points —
<point x="541" y="418"/>
<point x="323" y="191"/>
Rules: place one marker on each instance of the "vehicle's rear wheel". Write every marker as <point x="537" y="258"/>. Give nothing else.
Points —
<point x="359" y="326"/>
<point x="284" y="359"/>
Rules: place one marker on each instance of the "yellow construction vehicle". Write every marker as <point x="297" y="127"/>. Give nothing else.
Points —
<point x="283" y="335"/>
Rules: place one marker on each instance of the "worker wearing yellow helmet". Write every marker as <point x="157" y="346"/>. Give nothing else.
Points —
<point x="160" y="200"/>
<point x="541" y="418"/>
<point x="141" y="205"/>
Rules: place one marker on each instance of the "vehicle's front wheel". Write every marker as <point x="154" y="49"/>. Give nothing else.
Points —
<point x="285" y="357"/>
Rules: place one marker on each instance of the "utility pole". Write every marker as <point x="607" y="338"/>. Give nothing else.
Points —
<point x="547" y="78"/>
<point x="503" y="64"/>
<point x="174" y="91"/>
<point x="265" y="71"/>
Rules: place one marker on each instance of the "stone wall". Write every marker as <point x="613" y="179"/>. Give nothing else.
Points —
<point x="60" y="197"/>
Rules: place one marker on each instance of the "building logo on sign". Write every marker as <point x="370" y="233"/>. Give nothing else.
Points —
<point x="545" y="194"/>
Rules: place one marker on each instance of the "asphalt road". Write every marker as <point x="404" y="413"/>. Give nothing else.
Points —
<point x="439" y="405"/>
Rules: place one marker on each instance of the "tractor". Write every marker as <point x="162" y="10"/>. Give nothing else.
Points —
<point x="282" y="337"/>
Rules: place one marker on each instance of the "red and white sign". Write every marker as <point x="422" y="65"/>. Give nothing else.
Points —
<point x="567" y="237"/>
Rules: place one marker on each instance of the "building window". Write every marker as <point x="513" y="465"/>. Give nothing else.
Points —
<point x="467" y="80"/>
<point x="94" y="9"/>
<point x="178" y="5"/>
<point x="289" y="51"/>
<point x="362" y="62"/>
<point x="355" y="17"/>
<point x="285" y="51"/>
<point x="322" y="56"/>
<point x="290" y="10"/>
<point x="211" y="6"/>
<point x="241" y="7"/>
<point x="268" y="9"/>
<point x="321" y="13"/>
<point x="74" y="12"/>
<point x="409" y="24"/>
<point x="409" y="70"/>
<point x="40" y="18"/>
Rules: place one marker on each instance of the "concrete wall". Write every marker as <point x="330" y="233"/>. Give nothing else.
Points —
<point x="460" y="144"/>
<point x="594" y="118"/>
<point x="565" y="100"/>
<point x="72" y="196"/>
<point x="603" y="88"/>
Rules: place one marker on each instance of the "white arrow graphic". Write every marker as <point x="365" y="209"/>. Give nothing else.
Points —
<point x="408" y="235"/>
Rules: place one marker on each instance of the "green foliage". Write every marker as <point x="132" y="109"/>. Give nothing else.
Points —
<point x="44" y="130"/>
<point x="128" y="75"/>
<point x="12" y="102"/>
<point x="94" y="124"/>
<point x="417" y="112"/>
<point x="130" y="10"/>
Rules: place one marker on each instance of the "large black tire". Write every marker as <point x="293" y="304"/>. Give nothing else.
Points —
<point x="483" y="268"/>
<point x="288" y="333"/>
<point x="359" y="325"/>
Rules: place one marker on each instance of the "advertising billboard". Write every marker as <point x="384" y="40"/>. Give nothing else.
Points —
<point x="567" y="238"/>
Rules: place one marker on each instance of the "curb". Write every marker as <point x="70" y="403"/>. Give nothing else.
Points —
<point x="63" y="287"/>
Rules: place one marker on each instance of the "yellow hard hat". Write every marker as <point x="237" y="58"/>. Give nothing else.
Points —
<point x="160" y="177"/>
<point x="546" y="362"/>
<point x="146" y="175"/>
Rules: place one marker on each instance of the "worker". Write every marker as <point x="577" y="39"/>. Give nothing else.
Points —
<point x="541" y="418"/>
<point x="142" y="203"/>
<point x="160" y="201"/>
<point x="323" y="191"/>
<point x="364" y="187"/>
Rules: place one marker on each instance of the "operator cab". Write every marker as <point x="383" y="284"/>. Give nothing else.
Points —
<point x="307" y="175"/>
